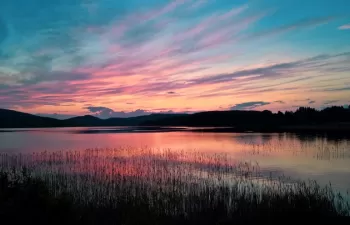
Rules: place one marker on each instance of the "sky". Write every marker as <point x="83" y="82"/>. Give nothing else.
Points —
<point x="118" y="58"/>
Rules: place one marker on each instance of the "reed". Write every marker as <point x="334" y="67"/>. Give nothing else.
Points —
<point x="155" y="186"/>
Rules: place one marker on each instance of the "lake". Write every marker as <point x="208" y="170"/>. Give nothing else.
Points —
<point x="315" y="157"/>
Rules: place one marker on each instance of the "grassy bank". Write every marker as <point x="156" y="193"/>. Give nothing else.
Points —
<point x="143" y="187"/>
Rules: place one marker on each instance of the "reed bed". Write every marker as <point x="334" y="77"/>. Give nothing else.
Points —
<point x="146" y="185"/>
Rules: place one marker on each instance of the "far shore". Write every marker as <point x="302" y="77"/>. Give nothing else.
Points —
<point x="331" y="128"/>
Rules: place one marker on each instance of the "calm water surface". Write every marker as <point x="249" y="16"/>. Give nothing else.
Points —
<point x="326" y="160"/>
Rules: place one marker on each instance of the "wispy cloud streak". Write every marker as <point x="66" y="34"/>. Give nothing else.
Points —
<point x="345" y="27"/>
<point x="112" y="52"/>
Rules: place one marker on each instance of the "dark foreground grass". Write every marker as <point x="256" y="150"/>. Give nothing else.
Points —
<point x="75" y="188"/>
<point x="29" y="201"/>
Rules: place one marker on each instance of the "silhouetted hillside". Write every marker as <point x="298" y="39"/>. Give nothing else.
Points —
<point x="220" y="119"/>
<point x="86" y="120"/>
<point x="139" y="120"/>
<point x="332" y="118"/>
<point x="14" y="119"/>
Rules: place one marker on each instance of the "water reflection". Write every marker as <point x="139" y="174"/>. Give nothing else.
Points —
<point x="300" y="156"/>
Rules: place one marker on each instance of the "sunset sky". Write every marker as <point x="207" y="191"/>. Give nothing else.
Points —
<point x="119" y="58"/>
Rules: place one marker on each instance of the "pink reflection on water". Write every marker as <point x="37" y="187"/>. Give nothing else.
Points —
<point x="301" y="157"/>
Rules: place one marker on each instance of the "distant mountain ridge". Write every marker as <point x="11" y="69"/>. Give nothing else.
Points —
<point x="14" y="119"/>
<point x="332" y="118"/>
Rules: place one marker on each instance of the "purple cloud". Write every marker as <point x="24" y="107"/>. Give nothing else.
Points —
<point x="249" y="105"/>
<point x="104" y="112"/>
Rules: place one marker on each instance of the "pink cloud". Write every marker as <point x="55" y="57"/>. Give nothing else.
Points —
<point x="110" y="66"/>
<point x="210" y="24"/>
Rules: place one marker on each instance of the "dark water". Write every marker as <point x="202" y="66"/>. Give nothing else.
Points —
<point x="325" y="159"/>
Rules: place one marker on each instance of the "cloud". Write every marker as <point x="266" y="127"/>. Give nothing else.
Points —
<point x="56" y="115"/>
<point x="303" y="100"/>
<point x="249" y="105"/>
<point x="118" y="38"/>
<point x="122" y="51"/>
<point x="337" y="89"/>
<point x="55" y="88"/>
<point x="316" y="63"/>
<point x="280" y="102"/>
<point x="330" y="102"/>
<point x="312" y="102"/>
<point x="39" y="75"/>
<point x="304" y="23"/>
<point x="344" y="27"/>
<point x="104" y="112"/>
<point x="100" y="109"/>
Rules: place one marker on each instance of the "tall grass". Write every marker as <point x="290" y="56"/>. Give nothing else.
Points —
<point x="143" y="185"/>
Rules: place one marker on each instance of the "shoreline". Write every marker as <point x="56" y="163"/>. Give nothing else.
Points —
<point x="338" y="128"/>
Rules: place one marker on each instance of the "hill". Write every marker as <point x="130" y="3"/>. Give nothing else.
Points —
<point x="82" y="121"/>
<point x="14" y="119"/>
<point x="141" y="120"/>
<point x="219" y="119"/>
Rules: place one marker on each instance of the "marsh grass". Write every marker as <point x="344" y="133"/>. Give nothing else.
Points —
<point x="153" y="186"/>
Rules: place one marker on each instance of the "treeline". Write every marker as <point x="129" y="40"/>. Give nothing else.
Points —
<point x="259" y="119"/>
<point x="307" y="115"/>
